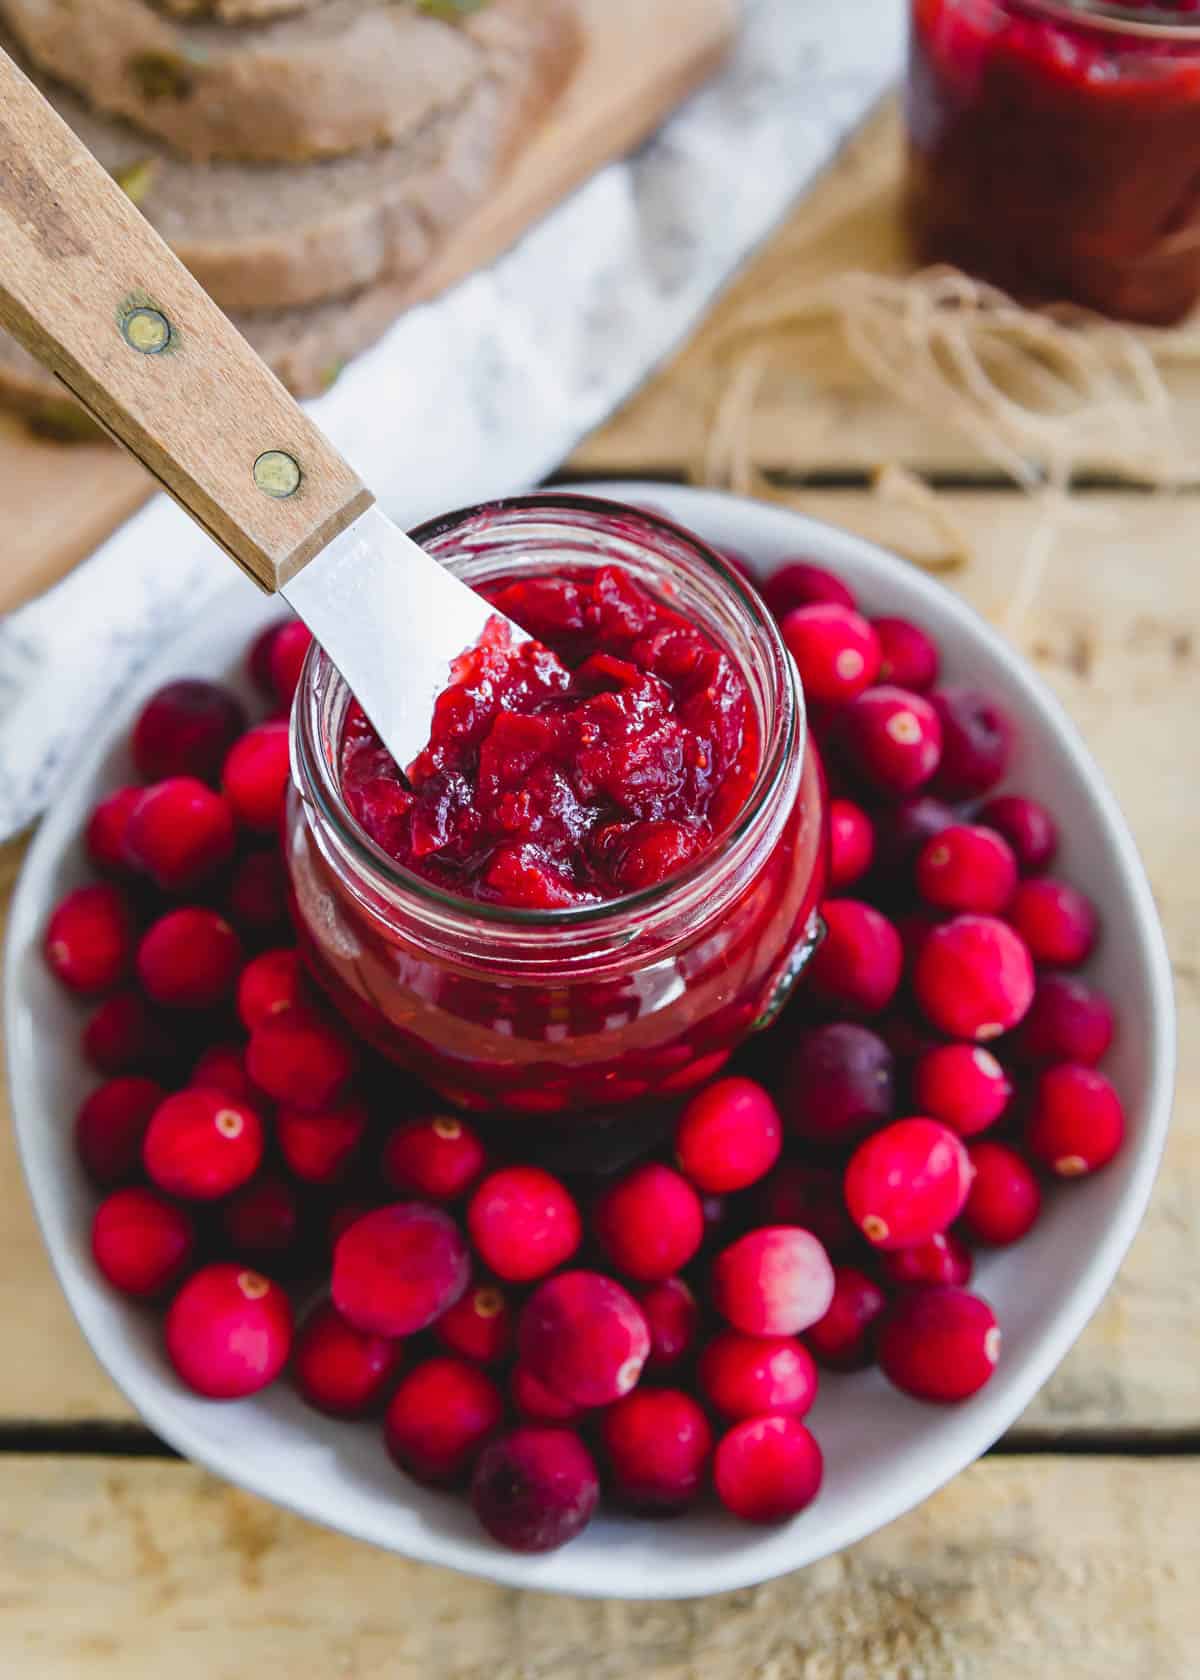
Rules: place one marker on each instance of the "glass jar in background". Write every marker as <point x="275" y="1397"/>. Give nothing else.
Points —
<point x="1054" y="149"/>
<point x="553" y="1011"/>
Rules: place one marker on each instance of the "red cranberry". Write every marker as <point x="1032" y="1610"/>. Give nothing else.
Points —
<point x="961" y="1085"/>
<point x="339" y="1370"/>
<point x="658" y="1444"/>
<point x="1056" y="921"/>
<point x="973" y="977"/>
<point x="673" y="1317"/>
<point x="857" y="965"/>
<point x="478" y="1326"/>
<point x="179" y="833"/>
<point x="202" y="1144"/>
<point x="262" y="1221"/>
<point x="229" y="1331"/>
<point x="907" y="1182"/>
<point x="744" y="1376"/>
<point x="255" y="776"/>
<point x="258" y="659"/>
<point x="583" y="1336"/>
<point x="300" y="1059"/>
<point x="798" y="583"/>
<point x="185" y="729"/>
<point x="286" y="656"/>
<point x="189" y="959"/>
<point x="538" y="1404"/>
<point x="649" y="1224"/>
<point x="901" y="830"/>
<point x="258" y="892"/>
<point x="397" y="1269"/>
<point x="111" y="1125"/>
<point x="105" y="834"/>
<point x="892" y="739"/>
<point x="1076" y="1123"/>
<point x="838" y="1082"/>
<point x="1027" y="826"/>
<point x="1004" y="1199"/>
<point x="767" y="1469"/>
<point x="439" y="1418"/>
<point x="851" y="843"/>
<point x="439" y="1157"/>
<point x="534" y="1489"/>
<point x="976" y="741"/>
<point x="843" y="1339"/>
<point x="775" y="1281"/>
<point x="523" y="1223"/>
<point x="909" y="657"/>
<point x="800" y="1194"/>
<point x="269" y="982"/>
<point x="729" y="1136"/>
<point x="320" y="1147"/>
<point x="222" y="1067"/>
<point x="1068" y="1021"/>
<point x="126" y="1036"/>
<point x="938" y="1344"/>
<point x="945" y="1258"/>
<point x="89" y="939"/>
<point x="141" y="1242"/>
<point x="835" y="649"/>
<point x="967" y="868"/>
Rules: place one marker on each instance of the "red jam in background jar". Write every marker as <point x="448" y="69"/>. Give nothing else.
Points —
<point x="1055" y="149"/>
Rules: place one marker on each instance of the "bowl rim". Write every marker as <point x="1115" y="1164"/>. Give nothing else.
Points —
<point x="968" y="1431"/>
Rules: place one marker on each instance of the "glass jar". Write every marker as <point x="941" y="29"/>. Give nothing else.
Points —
<point x="1055" y="149"/>
<point x="547" y="1011"/>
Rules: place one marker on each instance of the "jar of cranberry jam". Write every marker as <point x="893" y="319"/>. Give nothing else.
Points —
<point x="1055" y="148"/>
<point x="603" y="871"/>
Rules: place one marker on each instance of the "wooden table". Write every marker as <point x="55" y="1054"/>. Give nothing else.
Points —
<point x="1072" y="1551"/>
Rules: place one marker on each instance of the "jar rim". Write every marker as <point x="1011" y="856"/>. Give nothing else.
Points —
<point x="1154" y="23"/>
<point x="785" y="740"/>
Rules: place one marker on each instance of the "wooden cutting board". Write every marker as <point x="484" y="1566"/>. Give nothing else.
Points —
<point x="58" y="501"/>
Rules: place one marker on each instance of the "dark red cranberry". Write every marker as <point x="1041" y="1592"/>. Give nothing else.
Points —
<point x="649" y="1223"/>
<point x="339" y="1370"/>
<point x="180" y="833"/>
<point x="835" y="649"/>
<point x="258" y="658"/>
<point x="798" y="583"/>
<point x="439" y="1156"/>
<point x="843" y="1339"/>
<point x="439" y="1419"/>
<point x="320" y="1147"/>
<point x="851" y="844"/>
<point x="478" y="1326"/>
<point x="258" y="892"/>
<point x="1076" y="1123"/>
<point x="938" y="1344"/>
<point x="255" y="776"/>
<point x="901" y="830"/>
<point x="673" y="1317"/>
<point x="535" y="1488"/>
<point x="125" y="1035"/>
<point x="729" y="1136"/>
<point x="797" y="1193"/>
<point x="285" y="657"/>
<point x="774" y="1281"/>
<point x="269" y="982"/>
<point x="976" y="741"/>
<point x="892" y="739"/>
<point x="200" y="1145"/>
<point x="838" y="1082"/>
<point x="857" y="965"/>
<point x="657" y="1443"/>
<point x="743" y="1376"/>
<point x="1056" y="921"/>
<point x="1004" y="1199"/>
<point x="909" y="656"/>
<point x="767" y="1469"/>
<point x="300" y="1059"/>
<point x="945" y="1258"/>
<point x="1027" y="826"/>
<point x="583" y="1336"/>
<point x="141" y="1242"/>
<point x="967" y="868"/>
<point x="907" y="1182"/>
<point x="185" y="729"/>
<point x="89" y="939"/>
<point x="973" y="977"/>
<point x="1068" y="1021"/>
<point x="111" y="1125"/>
<point x="397" y="1269"/>
<point x="262" y="1222"/>
<point x="962" y="1085"/>
<point x="222" y="1067"/>
<point x="189" y="959"/>
<point x="229" y="1331"/>
<point x="523" y="1223"/>
<point x="106" y="830"/>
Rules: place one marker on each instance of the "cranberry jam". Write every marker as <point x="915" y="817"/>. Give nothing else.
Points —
<point x="1055" y="148"/>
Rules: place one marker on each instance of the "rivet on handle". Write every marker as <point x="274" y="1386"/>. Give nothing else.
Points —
<point x="147" y="330"/>
<point x="277" y="474"/>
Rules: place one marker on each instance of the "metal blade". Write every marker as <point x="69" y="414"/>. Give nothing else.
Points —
<point x="392" y="619"/>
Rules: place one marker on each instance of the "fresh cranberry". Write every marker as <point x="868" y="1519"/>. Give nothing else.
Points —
<point x="229" y="1331"/>
<point x="478" y="1326"/>
<point x="258" y="657"/>
<point x="268" y="983"/>
<point x="189" y="959"/>
<point x="976" y="741"/>
<point x="657" y="1443"/>
<point x="938" y="1344"/>
<point x="843" y="1339"/>
<point x="767" y="1469"/>
<point x="907" y="1182"/>
<point x="106" y="830"/>
<point x="111" y="1125"/>
<point x="300" y="1059"/>
<point x="673" y="1316"/>
<point x="945" y="1258"/>
<point x="1027" y="826"/>
<point x="835" y="649"/>
<point x="262" y="1222"/>
<point x="222" y="1067"/>
<point x="439" y="1157"/>
<point x="255" y="776"/>
<point x="185" y="729"/>
<point x="125" y="1035"/>
<point x="798" y="583"/>
<point x="523" y="1223"/>
<point x="857" y="965"/>
<point x="396" y="1270"/>
<point x="967" y="868"/>
<point x="141" y="1242"/>
<point x="90" y="939"/>
<point x="258" y="892"/>
<point x="202" y="1144"/>
<point x="538" y="1404"/>
<point x="339" y="1370"/>
<point x="439" y="1418"/>
<point x="583" y="1336"/>
<point x="744" y="1376"/>
<point x="892" y="739"/>
<point x="798" y="1193"/>
<point x="909" y="657"/>
<point x="1004" y="1200"/>
<point x="775" y="1281"/>
<point x="901" y="830"/>
<point x="1076" y="1123"/>
<point x="1056" y="921"/>
<point x="962" y="1085"/>
<point x="285" y="657"/>
<point x="1068" y="1021"/>
<point x="320" y="1146"/>
<point x="534" y="1489"/>
<point x="729" y="1136"/>
<point x="180" y="833"/>
<point x="973" y="977"/>
<point x="851" y="843"/>
<point x="649" y="1223"/>
<point x="838" y="1082"/>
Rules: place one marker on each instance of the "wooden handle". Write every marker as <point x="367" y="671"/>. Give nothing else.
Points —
<point x="92" y="291"/>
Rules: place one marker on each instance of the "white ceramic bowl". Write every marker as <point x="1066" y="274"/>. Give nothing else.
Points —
<point x="884" y="1452"/>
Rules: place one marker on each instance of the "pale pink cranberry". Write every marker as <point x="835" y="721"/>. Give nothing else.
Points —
<point x="439" y="1156"/>
<point x="976" y="741"/>
<point x="535" y="1488"/>
<point x="649" y="1223"/>
<point x="798" y="583"/>
<point x="945" y="1258"/>
<point x="892" y="739"/>
<point x="963" y="1086"/>
<point x="743" y="1376"/>
<point x="909" y="657"/>
<point x="339" y="1370"/>
<point x="1004" y="1199"/>
<point x="901" y="830"/>
<point x="775" y="1281"/>
<point x="478" y="1326"/>
<point x="111" y="1125"/>
<point x="838" y="1082"/>
<point x="200" y="1145"/>
<point x="262" y="1222"/>
<point x="798" y="1193"/>
<point x="229" y="1331"/>
<point x="89" y="941"/>
<point x="258" y="657"/>
<point x="189" y="959"/>
<point x="255" y="776"/>
<point x="320" y="1147"/>
<point x="857" y="965"/>
<point x="938" y="1344"/>
<point x="523" y="1223"/>
<point x="1076" y="1123"/>
<point x="1056" y="921"/>
<point x="125" y="1035"/>
<point x="185" y="729"/>
<point x="672" y="1315"/>
<point x="851" y="843"/>
<point x="729" y="1136"/>
<point x="258" y="892"/>
<point x="907" y="1182"/>
<point x="300" y="1059"/>
<point x="536" y="1403"/>
<point x="269" y="982"/>
<point x="222" y="1067"/>
<point x="767" y="1469"/>
<point x="396" y="1270"/>
<point x="285" y="658"/>
<point x="1027" y="826"/>
<point x="180" y="833"/>
<point x="104" y="837"/>
<point x="967" y="868"/>
<point x="438" y="1420"/>
<point x="973" y="977"/>
<point x="141" y="1242"/>
<point x="583" y="1336"/>
<point x="835" y="649"/>
<point x="843" y="1339"/>
<point x="1068" y="1021"/>
<point x="657" y="1443"/>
